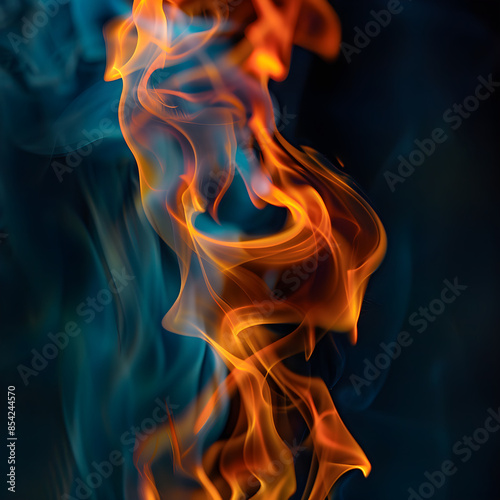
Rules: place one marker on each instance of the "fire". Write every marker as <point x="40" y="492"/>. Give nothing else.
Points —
<point x="196" y="112"/>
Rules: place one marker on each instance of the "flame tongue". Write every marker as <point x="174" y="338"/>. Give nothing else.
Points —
<point x="196" y="113"/>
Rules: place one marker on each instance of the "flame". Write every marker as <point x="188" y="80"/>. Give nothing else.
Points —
<point x="195" y="107"/>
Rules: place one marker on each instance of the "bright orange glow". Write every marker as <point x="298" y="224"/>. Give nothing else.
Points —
<point x="267" y="64"/>
<point x="192" y="112"/>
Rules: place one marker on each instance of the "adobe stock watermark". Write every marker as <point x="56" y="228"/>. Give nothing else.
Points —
<point x="90" y="140"/>
<point x="131" y="438"/>
<point x="372" y="29"/>
<point x="420" y="319"/>
<point x="293" y="278"/>
<point x="464" y="449"/>
<point x="227" y="6"/>
<point x="454" y="117"/>
<point x="275" y="468"/>
<point x="59" y="341"/>
<point x="266" y="135"/>
<point x="282" y="118"/>
<point x="34" y="22"/>
<point x="94" y="137"/>
<point x="217" y="179"/>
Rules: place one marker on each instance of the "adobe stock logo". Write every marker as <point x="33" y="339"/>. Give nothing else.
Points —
<point x="84" y="487"/>
<point x="454" y="116"/>
<point x="46" y="10"/>
<point x="420" y="319"/>
<point x="60" y="340"/>
<point x="372" y="29"/>
<point x="464" y="448"/>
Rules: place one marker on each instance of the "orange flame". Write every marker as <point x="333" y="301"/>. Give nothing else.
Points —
<point x="191" y="109"/>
